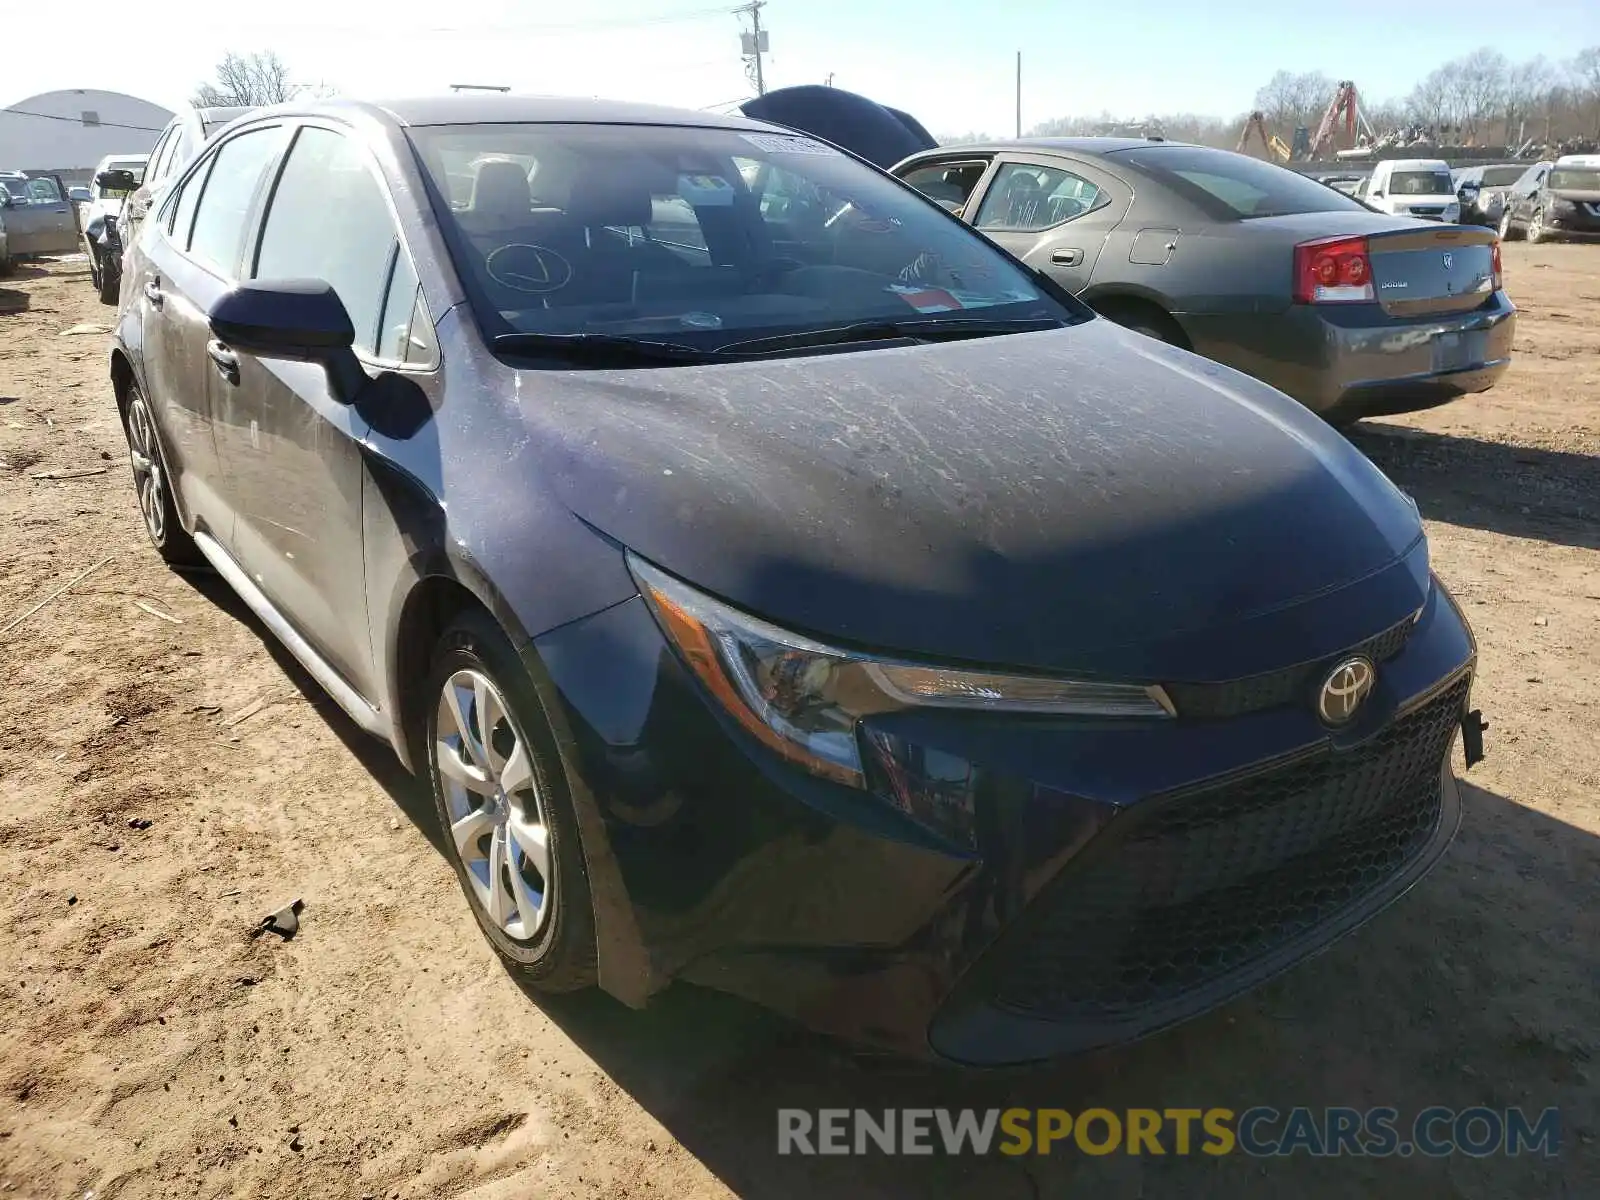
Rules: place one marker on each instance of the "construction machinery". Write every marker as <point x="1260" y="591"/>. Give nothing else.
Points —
<point x="1270" y="142"/>
<point x="1347" y="104"/>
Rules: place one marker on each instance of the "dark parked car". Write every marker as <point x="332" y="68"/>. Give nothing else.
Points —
<point x="1482" y="191"/>
<point x="1554" y="202"/>
<point x="779" y="586"/>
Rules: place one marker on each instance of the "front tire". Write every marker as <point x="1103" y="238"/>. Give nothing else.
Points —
<point x="1508" y="228"/>
<point x="504" y="808"/>
<point x="1536" y="229"/>
<point x="152" y="484"/>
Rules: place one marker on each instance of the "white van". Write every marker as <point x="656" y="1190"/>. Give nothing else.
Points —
<point x="1414" y="187"/>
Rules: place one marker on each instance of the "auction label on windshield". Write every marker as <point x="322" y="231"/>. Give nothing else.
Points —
<point x="784" y="143"/>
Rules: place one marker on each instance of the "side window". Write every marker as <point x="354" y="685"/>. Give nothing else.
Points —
<point x="43" y="191"/>
<point x="181" y="210"/>
<point x="222" y="220"/>
<point x="1026" y="197"/>
<point x="157" y="170"/>
<point x="328" y="219"/>
<point x="394" y="333"/>
<point x="949" y="184"/>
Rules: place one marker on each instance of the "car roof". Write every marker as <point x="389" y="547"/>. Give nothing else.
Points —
<point x="1065" y="145"/>
<point x="1416" y="164"/>
<point x="497" y="108"/>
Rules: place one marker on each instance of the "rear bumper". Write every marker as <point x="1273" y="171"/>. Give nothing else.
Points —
<point x="1356" y="360"/>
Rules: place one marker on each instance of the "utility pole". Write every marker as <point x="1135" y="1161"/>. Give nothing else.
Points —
<point x="1019" y="93"/>
<point x="754" y="44"/>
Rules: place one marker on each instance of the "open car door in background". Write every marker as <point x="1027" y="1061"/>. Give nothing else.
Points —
<point x="881" y="135"/>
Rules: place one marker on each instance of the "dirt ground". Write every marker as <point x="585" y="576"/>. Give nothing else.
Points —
<point x="169" y="777"/>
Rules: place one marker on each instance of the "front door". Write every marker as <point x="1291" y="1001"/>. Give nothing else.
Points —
<point x="1054" y="214"/>
<point x="291" y="449"/>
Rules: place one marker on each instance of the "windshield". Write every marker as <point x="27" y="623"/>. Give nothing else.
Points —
<point x="1501" y="176"/>
<point x="1232" y="186"/>
<point x="1575" y="179"/>
<point x="1420" y="183"/>
<point x="703" y="236"/>
<point x="17" y="188"/>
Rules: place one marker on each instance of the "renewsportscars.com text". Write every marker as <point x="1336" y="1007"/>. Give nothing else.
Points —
<point x="1261" y="1132"/>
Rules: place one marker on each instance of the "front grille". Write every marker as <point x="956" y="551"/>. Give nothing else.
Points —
<point x="1216" y="701"/>
<point x="1201" y="885"/>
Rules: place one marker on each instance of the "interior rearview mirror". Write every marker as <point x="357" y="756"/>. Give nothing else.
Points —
<point x="302" y="320"/>
<point x="116" y="181"/>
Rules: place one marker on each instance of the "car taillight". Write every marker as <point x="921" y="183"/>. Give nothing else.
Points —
<point x="1332" y="271"/>
<point x="1494" y="263"/>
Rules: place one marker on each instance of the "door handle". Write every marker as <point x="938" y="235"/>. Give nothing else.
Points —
<point x="152" y="292"/>
<point x="1066" y="256"/>
<point x="227" y="362"/>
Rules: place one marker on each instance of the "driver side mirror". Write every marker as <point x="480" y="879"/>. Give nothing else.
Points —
<point x="301" y="320"/>
<point x="116" y="181"/>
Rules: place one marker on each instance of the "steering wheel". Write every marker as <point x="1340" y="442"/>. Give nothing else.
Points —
<point x="524" y="267"/>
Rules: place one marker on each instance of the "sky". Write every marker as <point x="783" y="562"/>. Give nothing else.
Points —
<point x="950" y="64"/>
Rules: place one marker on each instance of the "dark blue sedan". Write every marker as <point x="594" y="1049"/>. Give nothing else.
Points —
<point x="780" y="586"/>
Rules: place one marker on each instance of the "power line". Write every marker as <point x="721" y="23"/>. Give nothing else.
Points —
<point x="97" y="124"/>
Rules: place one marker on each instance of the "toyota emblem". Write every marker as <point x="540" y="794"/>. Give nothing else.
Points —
<point x="1449" y="260"/>
<point x="1344" y="690"/>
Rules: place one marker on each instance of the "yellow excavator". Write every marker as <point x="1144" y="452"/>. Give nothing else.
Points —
<point x="1271" y="142"/>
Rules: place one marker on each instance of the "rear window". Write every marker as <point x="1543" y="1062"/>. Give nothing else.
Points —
<point x="1576" y="179"/>
<point x="1231" y="186"/>
<point x="1501" y="176"/>
<point x="1420" y="183"/>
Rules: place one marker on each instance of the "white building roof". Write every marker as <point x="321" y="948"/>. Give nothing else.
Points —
<point x="73" y="130"/>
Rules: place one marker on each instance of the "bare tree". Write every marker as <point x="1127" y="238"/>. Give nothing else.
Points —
<point x="1585" y="69"/>
<point x="1289" y="99"/>
<point x="247" y="80"/>
<point x="1432" y="102"/>
<point x="1479" y="84"/>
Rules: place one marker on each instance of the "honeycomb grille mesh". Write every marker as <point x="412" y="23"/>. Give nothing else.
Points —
<point x="1214" y="701"/>
<point x="1202" y="885"/>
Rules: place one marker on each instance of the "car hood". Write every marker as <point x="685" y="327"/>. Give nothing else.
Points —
<point x="1037" y="500"/>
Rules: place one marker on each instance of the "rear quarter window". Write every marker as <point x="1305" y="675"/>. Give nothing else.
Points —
<point x="1232" y="186"/>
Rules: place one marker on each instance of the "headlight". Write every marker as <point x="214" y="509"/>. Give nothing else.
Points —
<point x="802" y="699"/>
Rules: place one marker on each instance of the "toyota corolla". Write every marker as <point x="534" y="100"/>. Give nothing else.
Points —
<point x="781" y="587"/>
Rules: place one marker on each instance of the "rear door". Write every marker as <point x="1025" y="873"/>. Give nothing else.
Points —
<point x="188" y="257"/>
<point x="290" y="448"/>
<point x="1053" y="213"/>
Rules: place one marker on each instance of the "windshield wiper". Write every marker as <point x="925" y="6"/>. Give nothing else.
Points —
<point x="934" y="330"/>
<point x="605" y="349"/>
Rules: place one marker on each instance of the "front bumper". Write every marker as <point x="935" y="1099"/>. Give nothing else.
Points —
<point x="1010" y="889"/>
<point x="1348" y="361"/>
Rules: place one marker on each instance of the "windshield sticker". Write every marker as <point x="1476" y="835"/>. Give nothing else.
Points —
<point x="706" y="191"/>
<point x="784" y="143"/>
<point x="926" y="299"/>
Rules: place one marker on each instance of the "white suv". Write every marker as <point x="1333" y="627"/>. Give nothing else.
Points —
<point x="1414" y="187"/>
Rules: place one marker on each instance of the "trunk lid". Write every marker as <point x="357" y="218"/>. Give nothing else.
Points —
<point x="1427" y="271"/>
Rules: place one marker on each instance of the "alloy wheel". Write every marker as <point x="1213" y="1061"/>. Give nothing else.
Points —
<point x="1505" y="225"/>
<point x="1536" y="226"/>
<point x="149" y="483"/>
<point x="496" y="814"/>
